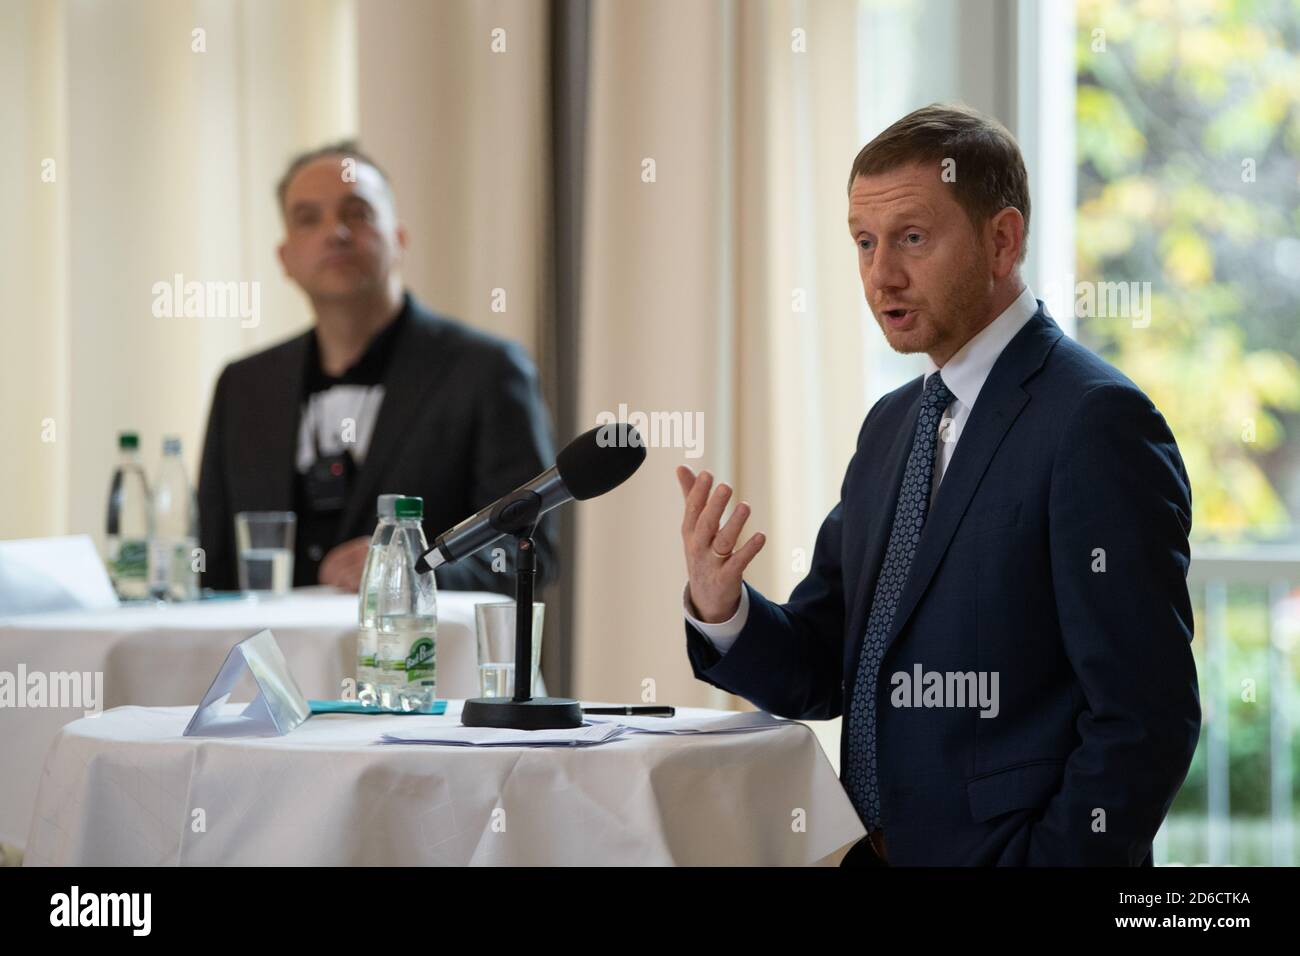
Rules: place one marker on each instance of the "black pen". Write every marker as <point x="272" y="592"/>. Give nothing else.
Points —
<point x="648" y="710"/>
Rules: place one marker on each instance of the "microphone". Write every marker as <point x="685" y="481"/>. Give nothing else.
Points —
<point x="595" y="462"/>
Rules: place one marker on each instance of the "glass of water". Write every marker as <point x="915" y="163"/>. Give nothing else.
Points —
<point x="265" y="542"/>
<point x="496" y="647"/>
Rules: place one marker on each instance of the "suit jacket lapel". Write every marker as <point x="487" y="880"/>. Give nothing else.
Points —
<point x="1000" y="401"/>
<point x="276" y="437"/>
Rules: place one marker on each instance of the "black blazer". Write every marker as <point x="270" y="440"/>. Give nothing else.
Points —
<point x="462" y="423"/>
<point x="1063" y="462"/>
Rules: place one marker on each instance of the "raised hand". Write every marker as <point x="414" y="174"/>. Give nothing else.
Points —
<point x="714" y="566"/>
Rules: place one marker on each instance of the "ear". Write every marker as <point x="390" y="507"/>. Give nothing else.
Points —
<point x="279" y="252"/>
<point x="402" y="239"/>
<point x="1007" y="232"/>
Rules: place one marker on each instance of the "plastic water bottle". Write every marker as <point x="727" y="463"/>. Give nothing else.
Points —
<point x="129" y="517"/>
<point x="408" y="616"/>
<point x="368" y="603"/>
<point x="175" y="530"/>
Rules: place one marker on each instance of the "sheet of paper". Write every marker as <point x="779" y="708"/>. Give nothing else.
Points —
<point x="53" y="574"/>
<point x="584" y="736"/>
<point x="741" y="722"/>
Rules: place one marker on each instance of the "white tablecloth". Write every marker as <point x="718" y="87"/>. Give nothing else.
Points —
<point x="165" y="655"/>
<point x="125" y="788"/>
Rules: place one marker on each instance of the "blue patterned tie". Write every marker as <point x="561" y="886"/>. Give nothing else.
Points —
<point x="860" y="778"/>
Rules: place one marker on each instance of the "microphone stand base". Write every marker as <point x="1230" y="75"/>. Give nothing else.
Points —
<point x="536" y="713"/>
<point x="532" y="713"/>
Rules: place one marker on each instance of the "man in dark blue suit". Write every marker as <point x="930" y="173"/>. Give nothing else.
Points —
<point x="998" y="604"/>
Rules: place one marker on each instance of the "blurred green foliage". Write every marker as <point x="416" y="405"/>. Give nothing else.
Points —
<point x="1246" y="658"/>
<point x="1188" y="137"/>
<point x="1188" y="133"/>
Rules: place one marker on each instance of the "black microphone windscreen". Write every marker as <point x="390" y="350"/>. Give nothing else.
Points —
<point x="600" y="460"/>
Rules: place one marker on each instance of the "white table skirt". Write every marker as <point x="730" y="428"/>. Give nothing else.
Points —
<point x="124" y="788"/>
<point x="168" y="655"/>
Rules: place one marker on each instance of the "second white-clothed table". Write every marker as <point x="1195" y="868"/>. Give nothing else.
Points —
<point x="126" y="788"/>
<point x="169" y="654"/>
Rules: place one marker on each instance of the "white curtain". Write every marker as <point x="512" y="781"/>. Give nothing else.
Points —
<point x="142" y="141"/>
<point x="725" y="288"/>
<point x="454" y="104"/>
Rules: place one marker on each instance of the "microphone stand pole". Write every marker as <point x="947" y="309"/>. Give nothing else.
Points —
<point x="523" y="711"/>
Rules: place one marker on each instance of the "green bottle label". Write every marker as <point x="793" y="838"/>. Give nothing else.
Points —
<point x="420" y="663"/>
<point x="132" y="559"/>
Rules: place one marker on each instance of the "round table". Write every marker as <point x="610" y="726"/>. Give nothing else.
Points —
<point x="125" y="788"/>
<point x="152" y="654"/>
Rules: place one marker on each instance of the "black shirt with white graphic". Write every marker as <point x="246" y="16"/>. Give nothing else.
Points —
<point x="338" y="417"/>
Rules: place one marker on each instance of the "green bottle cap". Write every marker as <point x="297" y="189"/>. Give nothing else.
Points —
<point x="128" y="440"/>
<point x="409" y="507"/>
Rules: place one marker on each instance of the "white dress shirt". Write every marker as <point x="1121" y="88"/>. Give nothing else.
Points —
<point x="964" y="374"/>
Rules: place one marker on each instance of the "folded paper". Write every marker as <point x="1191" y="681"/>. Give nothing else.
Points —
<point x="278" y="707"/>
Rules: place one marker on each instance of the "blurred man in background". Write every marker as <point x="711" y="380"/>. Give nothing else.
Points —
<point x="379" y="396"/>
